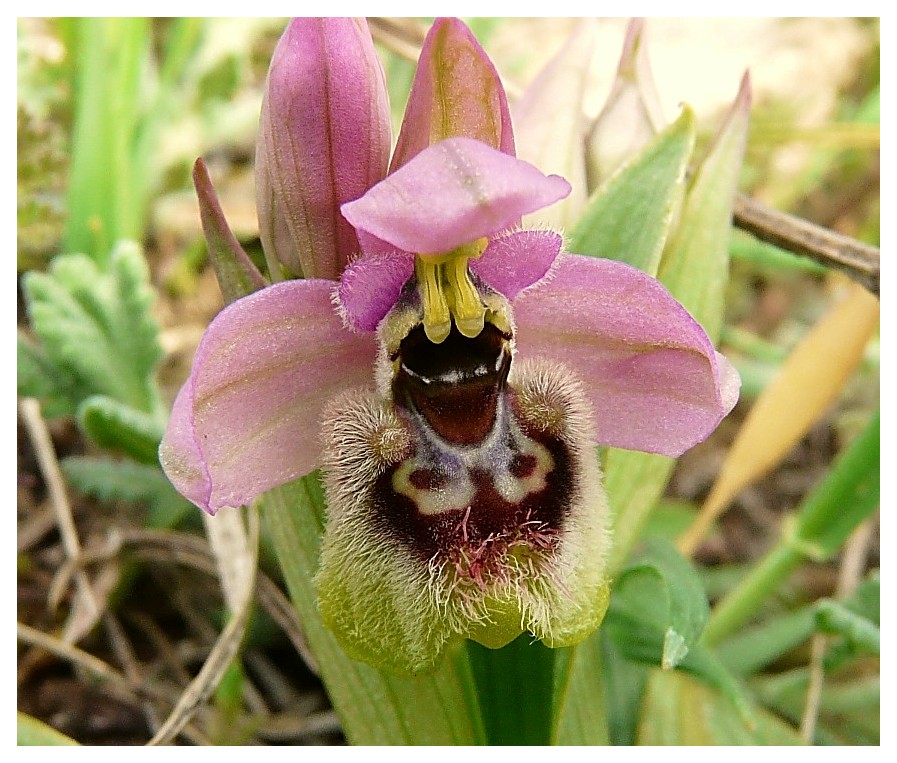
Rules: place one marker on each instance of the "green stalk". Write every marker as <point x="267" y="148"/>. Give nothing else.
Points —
<point x="848" y="495"/>
<point x="515" y="686"/>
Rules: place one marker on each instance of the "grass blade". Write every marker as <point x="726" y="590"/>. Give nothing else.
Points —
<point x="104" y="201"/>
<point x="31" y="732"/>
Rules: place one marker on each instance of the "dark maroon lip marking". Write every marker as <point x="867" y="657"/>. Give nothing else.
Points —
<point x="454" y="385"/>
<point x="523" y="465"/>
<point x="488" y="517"/>
<point x="427" y="479"/>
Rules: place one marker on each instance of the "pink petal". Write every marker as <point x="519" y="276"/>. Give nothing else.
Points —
<point x="456" y="92"/>
<point x="655" y="380"/>
<point x="517" y="259"/>
<point x="324" y="139"/>
<point x="370" y="286"/>
<point x="450" y="194"/>
<point x="248" y="417"/>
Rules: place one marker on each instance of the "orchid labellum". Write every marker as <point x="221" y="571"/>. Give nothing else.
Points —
<point x="450" y="372"/>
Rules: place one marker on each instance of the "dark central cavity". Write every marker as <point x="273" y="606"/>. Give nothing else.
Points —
<point x="454" y="385"/>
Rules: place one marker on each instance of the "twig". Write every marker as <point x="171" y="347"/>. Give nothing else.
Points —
<point x="279" y="692"/>
<point x="52" y="474"/>
<point x="794" y="234"/>
<point x="125" y="654"/>
<point x="818" y="646"/>
<point x="93" y="665"/>
<point x="221" y="656"/>
<point x="166" y="546"/>
<point x="35" y="527"/>
<point x="860" y="261"/>
<point x="168" y="655"/>
<point x="103" y="672"/>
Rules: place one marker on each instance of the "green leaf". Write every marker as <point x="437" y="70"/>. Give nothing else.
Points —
<point x="236" y="274"/>
<point x="634" y="482"/>
<point x="34" y="733"/>
<point x="657" y="612"/>
<point x="628" y="218"/>
<point x="768" y="258"/>
<point x="849" y="705"/>
<point x="860" y="632"/>
<point x="848" y="494"/>
<point x="863" y="603"/>
<point x="96" y="328"/>
<point x="37" y="376"/>
<point x="755" y="648"/>
<point x="579" y="697"/>
<point x="681" y="711"/>
<point x="695" y="264"/>
<point x="866" y="599"/>
<point x="694" y="267"/>
<point x="375" y="707"/>
<point x="856" y="620"/>
<point x="669" y="519"/>
<point x="662" y="594"/>
<point x="624" y="690"/>
<point x="111" y="480"/>
<point x="117" y="426"/>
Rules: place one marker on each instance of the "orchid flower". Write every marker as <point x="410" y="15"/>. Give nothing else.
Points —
<point x="450" y="372"/>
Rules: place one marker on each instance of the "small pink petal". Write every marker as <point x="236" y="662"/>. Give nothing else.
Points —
<point x="248" y="417"/>
<point x="655" y="380"/>
<point x="517" y="259"/>
<point x="456" y="92"/>
<point x="450" y="194"/>
<point x="370" y="286"/>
